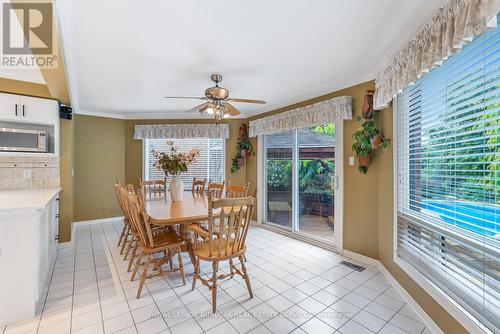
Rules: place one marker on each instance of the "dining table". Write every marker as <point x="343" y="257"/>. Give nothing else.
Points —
<point x="192" y="209"/>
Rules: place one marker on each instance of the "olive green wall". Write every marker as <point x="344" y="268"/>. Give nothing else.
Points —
<point x="133" y="148"/>
<point x="99" y="155"/>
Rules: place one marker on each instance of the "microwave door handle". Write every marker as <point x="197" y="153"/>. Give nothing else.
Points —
<point x="23" y="111"/>
<point x="15" y="109"/>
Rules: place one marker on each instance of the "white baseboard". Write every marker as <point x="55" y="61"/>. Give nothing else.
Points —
<point x="429" y="323"/>
<point x="96" y="221"/>
<point x="69" y="244"/>
<point x="66" y="244"/>
<point x="361" y="258"/>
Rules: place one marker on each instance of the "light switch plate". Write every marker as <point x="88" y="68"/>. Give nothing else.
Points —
<point x="351" y="160"/>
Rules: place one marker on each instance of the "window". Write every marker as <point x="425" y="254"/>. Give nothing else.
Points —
<point x="448" y="220"/>
<point x="209" y="165"/>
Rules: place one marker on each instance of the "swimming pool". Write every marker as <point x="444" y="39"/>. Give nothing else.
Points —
<point x="479" y="218"/>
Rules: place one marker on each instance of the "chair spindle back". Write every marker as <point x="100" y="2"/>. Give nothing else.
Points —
<point x="233" y="222"/>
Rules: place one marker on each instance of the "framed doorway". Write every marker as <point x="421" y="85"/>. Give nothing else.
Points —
<point x="301" y="177"/>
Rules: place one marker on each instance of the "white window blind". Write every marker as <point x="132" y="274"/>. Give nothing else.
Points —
<point x="209" y="165"/>
<point x="449" y="178"/>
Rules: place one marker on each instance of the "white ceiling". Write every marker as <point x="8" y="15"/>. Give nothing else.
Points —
<point x="123" y="57"/>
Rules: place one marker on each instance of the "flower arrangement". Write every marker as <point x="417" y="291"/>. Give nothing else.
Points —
<point x="175" y="162"/>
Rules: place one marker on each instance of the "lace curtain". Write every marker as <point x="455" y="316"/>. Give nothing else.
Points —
<point x="316" y="114"/>
<point x="179" y="131"/>
<point x="454" y="25"/>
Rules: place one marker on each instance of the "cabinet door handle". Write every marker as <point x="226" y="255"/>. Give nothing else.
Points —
<point x="23" y="111"/>
<point x="15" y="109"/>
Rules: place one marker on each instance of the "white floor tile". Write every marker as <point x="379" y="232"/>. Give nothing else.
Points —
<point x="369" y="321"/>
<point x="291" y="284"/>
<point x="391" y="329"/>
<point x="380" y="311"/>
<point x="279" y="303"/>
<point x="187" y="327"/>
<point x="145" y="313"/>
<point x="225" y="328"/>
<point x="352" y="327"/>
<point x="151" y="326"/>
<point x="409" y="325"/>
<point x="245" y="323"/>
<point x="92" y="329"/>
<point x="316" y="326"/>
<point x="86" y="319"/>
<point x="118" y="323"/>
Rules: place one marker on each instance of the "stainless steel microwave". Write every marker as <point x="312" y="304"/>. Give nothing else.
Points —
<point x="23" y="140"/>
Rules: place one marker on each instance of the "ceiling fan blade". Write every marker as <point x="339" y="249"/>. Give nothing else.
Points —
<point x="231" y="110"/>
<point x="185" y="97"/>
<point x="246" y="101"/>
<point x="198" y="107"/>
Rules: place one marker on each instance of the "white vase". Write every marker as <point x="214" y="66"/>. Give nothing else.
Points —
<point x="176" y="189"/>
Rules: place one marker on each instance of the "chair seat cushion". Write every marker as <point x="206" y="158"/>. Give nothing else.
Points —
<point x="202" y="250"/>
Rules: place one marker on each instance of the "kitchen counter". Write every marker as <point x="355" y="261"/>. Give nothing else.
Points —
<point x="27" y="199"/>
<point x="29" y="227"/>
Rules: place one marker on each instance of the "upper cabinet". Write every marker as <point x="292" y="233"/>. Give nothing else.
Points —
<point x="39" y="110"/>
<point x="10" y="105"/>
<point x="28" y="109"/>
<point x="31" y="113"/>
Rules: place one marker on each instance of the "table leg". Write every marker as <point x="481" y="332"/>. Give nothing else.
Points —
<point x="188" y="247"/>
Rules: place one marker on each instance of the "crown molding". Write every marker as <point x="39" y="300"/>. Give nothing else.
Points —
<point x="64" y="24"/>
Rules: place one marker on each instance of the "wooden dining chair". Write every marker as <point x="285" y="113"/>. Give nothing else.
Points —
<point x="164" y="242"/>
<point x="237" y="191"/>
<point x="154" y="186"/>
<point x="215" y="190"/>
<point x="198" y="186"/>
<point x="125" y="233"/>
<point x="234" y="222"/>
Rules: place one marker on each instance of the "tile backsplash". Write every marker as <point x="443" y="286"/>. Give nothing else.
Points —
<point x="29" y="172"/>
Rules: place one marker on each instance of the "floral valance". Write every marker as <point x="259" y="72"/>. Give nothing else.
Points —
<point x="455" y="24"/>
<point x="315" y="114"/>
<point x="178" y="131"/>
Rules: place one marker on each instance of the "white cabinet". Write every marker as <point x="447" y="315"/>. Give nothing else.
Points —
<point x="28" y="109"/>
<point x="38" y="110"/>
<point x="28" y="244"/>
<point x="10" y="105"/>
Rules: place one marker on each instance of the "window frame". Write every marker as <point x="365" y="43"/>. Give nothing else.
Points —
<point x="224" y="161"/>
<point x="467" y="320"/>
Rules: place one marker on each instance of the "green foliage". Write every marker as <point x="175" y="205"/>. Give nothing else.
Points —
<point x="472" y="145"/>
<point x="363" y="137"/>
<point x="243" y="145"/>
<point x="279" y="174"/>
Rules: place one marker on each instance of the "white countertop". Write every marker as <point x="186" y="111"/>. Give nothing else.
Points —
<point x="27" y="199"/>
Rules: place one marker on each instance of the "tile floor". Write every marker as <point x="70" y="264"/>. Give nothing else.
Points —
<point x="298" y="288"/>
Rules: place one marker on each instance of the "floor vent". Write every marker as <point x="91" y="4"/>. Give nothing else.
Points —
<point x="352" y="266"/>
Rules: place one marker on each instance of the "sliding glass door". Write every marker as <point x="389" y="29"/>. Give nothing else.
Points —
<point x="316" y="176"/>
<point x="300" y="181"/>
<point x="279" y="175"/>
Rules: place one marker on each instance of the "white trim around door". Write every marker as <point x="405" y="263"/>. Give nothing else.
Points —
<point x="337" y="245"/>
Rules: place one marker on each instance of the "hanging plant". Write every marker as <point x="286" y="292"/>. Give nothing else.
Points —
<point x="366" y="139"/>
<point x="243" y="149"/>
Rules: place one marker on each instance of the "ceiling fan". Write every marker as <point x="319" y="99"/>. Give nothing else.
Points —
<point x="217" y="101"/>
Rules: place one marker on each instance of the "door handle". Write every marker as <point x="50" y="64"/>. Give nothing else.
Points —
<point x="335" y="182"/>
<point x="15" y="109"/>
<point x="23" y="111"/>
